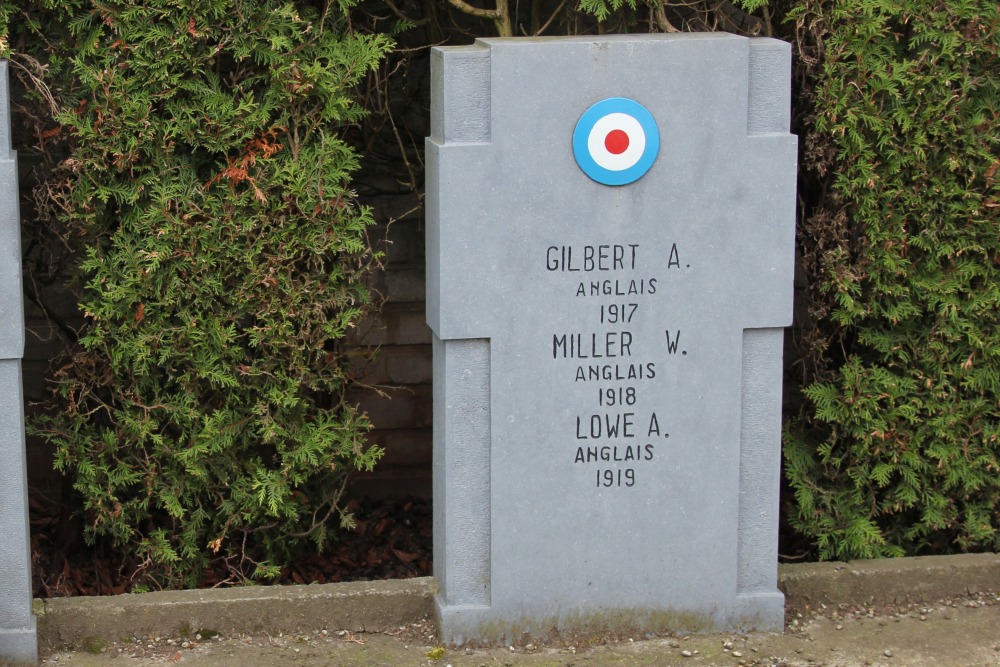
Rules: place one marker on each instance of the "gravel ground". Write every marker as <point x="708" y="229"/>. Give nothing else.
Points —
<point x="957" y="632"/>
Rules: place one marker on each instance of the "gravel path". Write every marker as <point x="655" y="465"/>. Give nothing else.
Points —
<point x="958" y="632"/>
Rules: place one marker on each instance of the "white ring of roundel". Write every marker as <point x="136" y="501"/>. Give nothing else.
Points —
<point x="636" y="141"/>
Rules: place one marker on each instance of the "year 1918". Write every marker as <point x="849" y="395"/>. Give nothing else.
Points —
<point x="608" y="478"/>
<point x="609" y="396"/>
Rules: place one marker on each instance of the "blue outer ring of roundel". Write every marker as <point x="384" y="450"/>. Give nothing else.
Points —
<point x="582" y="133"/>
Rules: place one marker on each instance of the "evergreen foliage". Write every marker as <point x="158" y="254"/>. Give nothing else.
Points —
<point x="603" y="9"/>
<point x="205" y="186"/>
<point x="898" y="448"/>
<point x="203" y="414"/>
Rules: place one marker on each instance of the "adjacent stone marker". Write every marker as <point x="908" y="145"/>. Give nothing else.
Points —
<point x="18" y="636"/>
<point x="610" y="227"/>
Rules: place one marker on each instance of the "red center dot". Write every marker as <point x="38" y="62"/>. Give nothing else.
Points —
<point x="616" y="142"/>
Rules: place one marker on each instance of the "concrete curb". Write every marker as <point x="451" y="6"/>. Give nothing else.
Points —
<point x="889" y="581"/>
<point x="366" y="606"/>
<point x="385" y="605"/>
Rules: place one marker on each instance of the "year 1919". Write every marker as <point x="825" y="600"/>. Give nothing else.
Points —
<point x="609" y="478"/>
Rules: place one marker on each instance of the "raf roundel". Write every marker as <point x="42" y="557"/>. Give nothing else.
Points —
<point x="616" y="141"/>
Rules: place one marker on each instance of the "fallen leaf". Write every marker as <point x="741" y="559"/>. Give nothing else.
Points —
<point x="404" y="556"/>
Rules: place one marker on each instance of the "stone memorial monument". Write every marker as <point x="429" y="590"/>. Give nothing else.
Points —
<point x="610" y="228"/>
<point x="18" y="636"/>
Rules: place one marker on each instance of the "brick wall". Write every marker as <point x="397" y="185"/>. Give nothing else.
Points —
<point x="393" y="356"/>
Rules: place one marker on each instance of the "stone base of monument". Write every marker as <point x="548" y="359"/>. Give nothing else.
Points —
<point x="488" y="626"/>
<point x="20" y="645"/>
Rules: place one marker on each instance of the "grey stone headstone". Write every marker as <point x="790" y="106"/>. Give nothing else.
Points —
<point x="18" y="635"/>
<point x="607" y="358"/>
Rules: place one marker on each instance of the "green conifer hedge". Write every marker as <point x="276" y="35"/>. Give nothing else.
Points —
<point x="203" y="415"/>
<point x="898" y="447"/>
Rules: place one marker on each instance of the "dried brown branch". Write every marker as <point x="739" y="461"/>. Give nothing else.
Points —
<point x="395" y="10"/>
<point x="500" y="16"/>
<point x="660" y="14"/>
<point x="552" y="18"/>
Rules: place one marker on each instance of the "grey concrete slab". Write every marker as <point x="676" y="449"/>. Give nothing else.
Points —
<point x="11" y="299"/>
<point x="607" y="338"/>
<point x="18" y="637"/>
